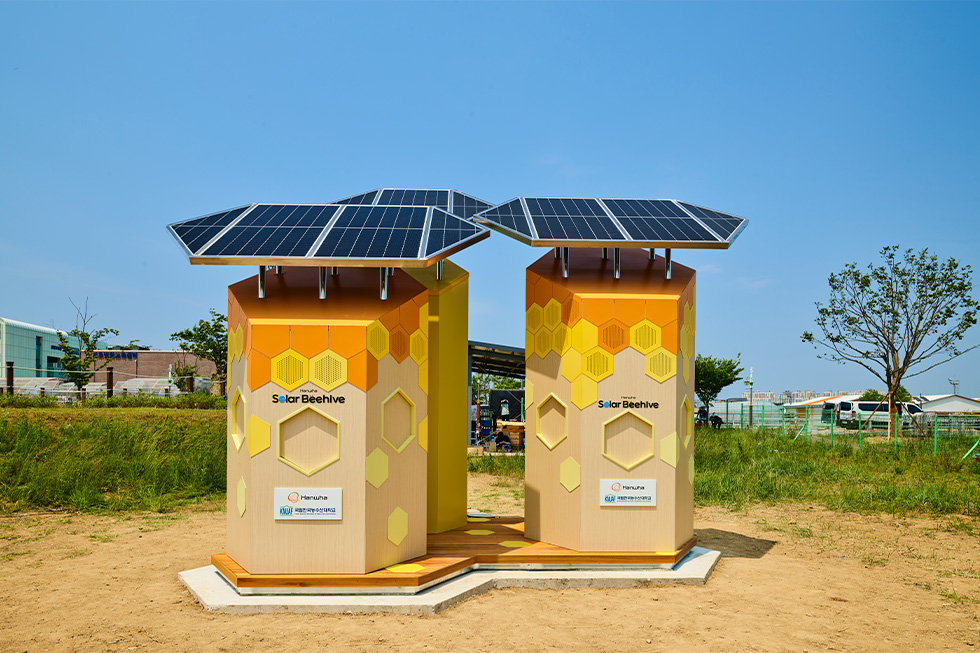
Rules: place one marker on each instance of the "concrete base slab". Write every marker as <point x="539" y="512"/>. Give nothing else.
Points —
<point x="210" y="588"/>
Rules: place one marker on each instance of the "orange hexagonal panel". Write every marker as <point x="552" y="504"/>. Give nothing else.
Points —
<point x="668" y="337"/>
<point x="661" y="311"/>
<point x="543" y="290"/>
<point x="528" y="294"/>
<point x="630" y="311"/>
<point x="614" y="336"/>
<point x="270" y="339"/>
<point x="308" y="340"/>
<point x="348" y="340"/>
<point x="398" y="343"/>
<point x="362" y="370"/>
<point x="390" y="319"/>
<point x="597" y="311"/>
<point x="560" y="293"/>
<point x="259" y="370"/>
<point x="408" y="317"/>
<point x="246" y="337"/>
<point x="571" y="310"/>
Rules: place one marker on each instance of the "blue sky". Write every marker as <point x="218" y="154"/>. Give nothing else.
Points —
<point x="836" y="128"/>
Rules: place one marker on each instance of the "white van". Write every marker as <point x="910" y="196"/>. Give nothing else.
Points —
<point x="872" y="414"/>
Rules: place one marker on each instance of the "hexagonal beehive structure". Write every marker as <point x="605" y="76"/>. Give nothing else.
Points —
<point x="625" y="345"/>
<point x="309" y="380"/>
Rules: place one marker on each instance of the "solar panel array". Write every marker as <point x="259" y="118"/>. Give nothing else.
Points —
<point x="326" y="234"/>
<point x="585" y="222"/>
<point x="452" y="201"/>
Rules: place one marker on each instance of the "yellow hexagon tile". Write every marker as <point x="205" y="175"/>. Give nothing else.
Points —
<point x="690" y="470"/>
<point x="535" y="318"/>
<point x="597" y="364"/>
<point x="561" y="339"/>
<point x="528" y="344"/>
<point x="668" y="450"/>
<point x="585" y="336"/>
<point x="585" y="392"/>
<point x="570" y="474"/>
<point x="328" y="370"/>
<point x="397" y="526"/>
<point x="645" y="336"/>
<point x="571" y="365"/>
<point x="237" y="430"/>
<point x="424" y="377"/>
<point x="514" y="544"/>
<point x="376" y="468"/>
<point x="660" y="364"/>
<point x="477" y="519"/>
<point x="377" y="339"/>
<point x="542" y="342"/>
<point x="687" y="421"/>
<point x="242" y="498"/>
<point x="258" y="434"/>
<point x="552" y="313"/>
<point x="528" y="393"/>
<point x="424" y="433"/>
<point x="419" y="347"/>
<point x="479" y="531"/>
<point x="424" y="319"/>
<point x="290" y="369"/>
<point x="407" y="568"/>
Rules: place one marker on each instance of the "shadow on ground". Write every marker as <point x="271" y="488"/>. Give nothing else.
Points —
<point x="733" y="545"/>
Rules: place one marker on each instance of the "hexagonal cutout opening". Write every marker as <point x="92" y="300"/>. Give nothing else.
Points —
<point x="308" y="440"/>
<point x="398" y="420"/>
<point x="552" y="421"/>
<point x="236" y="419"/>
<point x="627" y="440"/>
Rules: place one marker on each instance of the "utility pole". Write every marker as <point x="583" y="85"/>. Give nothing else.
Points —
<point x="749" y="383"/>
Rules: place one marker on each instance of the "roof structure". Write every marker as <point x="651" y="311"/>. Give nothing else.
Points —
<point x="449" y="200"/>
<point x="497" y="360"/>
<point x="594" y="222"/>
<point x="328" y="235"/>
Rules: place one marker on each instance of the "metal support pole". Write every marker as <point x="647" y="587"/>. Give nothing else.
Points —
<point x="323" y="282"/>
<point x="605" y="253"/>
<point x="667" y="263"/>
<point x="935" y="435"/>
<point x="384" y="283"/>
<point x="653" y="253"/>
<point x="564" y="262"/>
<point x="334" y="271"/>
<point x="558" y="252"/>
<point x="391" y="272"/>
<point x="278" y="269"/>
<point x="261" y="282"/>
<point x="439" y="270"/>
<point x="616" y="263"/>
<point x="108" y="382"/>
<point x="10" y="378"/>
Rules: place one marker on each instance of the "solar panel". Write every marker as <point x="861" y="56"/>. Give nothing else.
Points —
<point x="453" y="201"/>
<point x="327" y="235"/>
<point x="591" y="222"/>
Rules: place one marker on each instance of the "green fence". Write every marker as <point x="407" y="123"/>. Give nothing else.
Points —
<point x="925" y="433"/>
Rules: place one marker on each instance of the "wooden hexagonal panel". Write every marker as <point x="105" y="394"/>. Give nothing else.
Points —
<point x="627" y="440"/>
<point x="552" y="421"/>
<point x="398" y="420"/>
<point x="308" y="440"/>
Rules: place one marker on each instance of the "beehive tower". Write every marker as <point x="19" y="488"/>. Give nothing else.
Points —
<point x="328" y="394"/>
<point x="610" y="395"/>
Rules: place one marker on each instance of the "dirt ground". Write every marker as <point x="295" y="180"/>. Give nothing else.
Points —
<point x="792" y="578"/>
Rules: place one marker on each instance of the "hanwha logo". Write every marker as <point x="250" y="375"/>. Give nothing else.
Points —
<point x="293" y="497"/>
<point x="616" y="487"/>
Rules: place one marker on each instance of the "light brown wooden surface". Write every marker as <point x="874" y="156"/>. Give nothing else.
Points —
<point x="452" y="551"/>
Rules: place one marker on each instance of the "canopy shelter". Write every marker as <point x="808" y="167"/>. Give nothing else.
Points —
<point x="496" y="360"/>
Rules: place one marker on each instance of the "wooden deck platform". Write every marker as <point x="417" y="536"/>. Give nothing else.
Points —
<point x="497" y="541"/>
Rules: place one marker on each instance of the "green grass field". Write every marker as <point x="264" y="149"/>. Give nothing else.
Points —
<point x="157" y="459"/>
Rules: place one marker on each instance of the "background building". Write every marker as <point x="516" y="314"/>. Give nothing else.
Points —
<point x="34" y="350"/>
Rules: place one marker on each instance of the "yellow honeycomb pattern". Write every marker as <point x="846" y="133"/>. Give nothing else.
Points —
<point x="597" y="364"/>
<point x="377" y="340"/>
<point x="660" y="364"/>
<point x="570" y="474"/>
<point x="645" y="336"/>
<point x="419" y="347"/>
<point x="290" y="370"/>
<point x="397" y="526"/>
<point x="328" y="370"/>
<point x="552" y="313"/>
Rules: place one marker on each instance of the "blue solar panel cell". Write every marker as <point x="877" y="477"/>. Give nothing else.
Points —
<point x="571" y="219"/>
<point x="363" y="198"/>
<point x="722" y="224"/>
<point x="375" y="232"/>
<point x="196" y="233"/>
<point x="446" y="230"/>
<point x="510" y="215"/>
<point x="465" y="206"/>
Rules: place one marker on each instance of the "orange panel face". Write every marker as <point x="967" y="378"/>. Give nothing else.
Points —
<point x="390" y="319"/>
<point x="259" y="370"/>
<point x="348" y="340"/>
<point x="561" y="294"/>
<point x="661" y="311"/>
<point x="247" y="337"/>
<point x="630" y="311"/>
<point x="614" y="336"/>
<point x="668" y="337"/>
<point x="528" y="293"/>
<point x="362" y="371"/>
<point x="308" y="340"/>
<point x="398" y="343"/>
<point x="408" y="316"/>
<point x="597" y="311"/>
<point x="543" y="290"/>
<point x="571" y="310"/>
<point x="270" y="339"/>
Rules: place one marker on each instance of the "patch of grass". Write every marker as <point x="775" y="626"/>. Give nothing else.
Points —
<point x="94" y="460"/>
<point x="737" y="468"/>
<point x="103" y="535"/>
<point x="511" y="465"/>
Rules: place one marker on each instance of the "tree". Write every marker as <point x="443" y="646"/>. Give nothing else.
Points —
<point x="208" y="340"/>
<point x="712" y="375"/>
<point x="873" y="395"/>
<point x="483" y="383"/>
<point x="898" y="319"/>
<point x="80" y="363"/>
